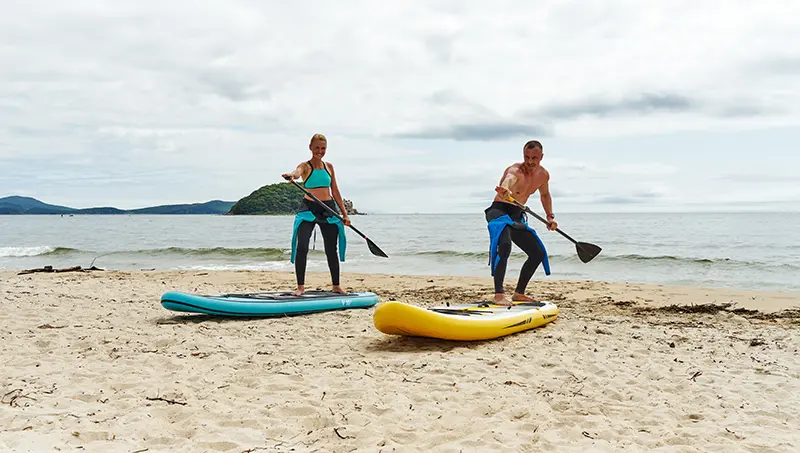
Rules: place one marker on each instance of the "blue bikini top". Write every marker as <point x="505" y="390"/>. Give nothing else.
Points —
<point x="318" y="178"/>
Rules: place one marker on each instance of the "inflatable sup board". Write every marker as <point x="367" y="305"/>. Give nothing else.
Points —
<point x="472" y="321"/>
<point x="266" y="303"/>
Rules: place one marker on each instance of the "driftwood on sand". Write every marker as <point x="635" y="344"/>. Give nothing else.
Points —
<point x="65" y="269"/>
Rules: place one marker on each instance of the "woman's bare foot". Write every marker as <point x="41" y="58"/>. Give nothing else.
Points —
<point x="500" y="299"/>
<point x="338" y="289"/>
<point x="299" y="291"/>
<point x="517" y="297"/>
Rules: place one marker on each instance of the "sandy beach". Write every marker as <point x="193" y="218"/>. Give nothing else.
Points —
<point x="91" y="362"/>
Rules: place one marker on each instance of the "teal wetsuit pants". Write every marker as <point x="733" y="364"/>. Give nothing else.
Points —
<point x="330" y="235"/>
<point x="507" y="224"/>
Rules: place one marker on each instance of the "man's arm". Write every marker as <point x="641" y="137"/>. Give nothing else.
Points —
<point x="547" y="202"/>
<point x="507" y="182"/>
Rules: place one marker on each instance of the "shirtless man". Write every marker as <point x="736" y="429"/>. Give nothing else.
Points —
<point x="507" y="222"/>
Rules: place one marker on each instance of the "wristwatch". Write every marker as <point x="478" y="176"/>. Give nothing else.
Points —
<point x="551" y="216"/>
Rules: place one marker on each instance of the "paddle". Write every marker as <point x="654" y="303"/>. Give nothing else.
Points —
<point x="372" y="247"/>
<point x="586" y="251"/>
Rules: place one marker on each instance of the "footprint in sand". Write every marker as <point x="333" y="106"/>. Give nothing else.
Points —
<point x="298" y="411"/>
<point x="694" y="417"/>
<point x="94" y="436"/>
<point x="254" y="424"/>
<point x="220" y="446"/>
<point x="86" y="397"/>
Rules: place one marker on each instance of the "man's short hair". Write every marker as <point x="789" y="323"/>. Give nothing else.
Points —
<point x="532" y="144"/>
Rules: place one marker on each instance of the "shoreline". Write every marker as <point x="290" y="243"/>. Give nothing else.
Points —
<point x="510" y="280"/>
<point x="93" y="362"/>
<point x="767" y="301"/>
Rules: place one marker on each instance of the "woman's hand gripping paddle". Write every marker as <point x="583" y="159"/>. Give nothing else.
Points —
<point x="372" y="246"/>
<point x="586" y="251"/>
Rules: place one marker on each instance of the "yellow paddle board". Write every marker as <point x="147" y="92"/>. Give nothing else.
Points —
<point x="473" y="321"/>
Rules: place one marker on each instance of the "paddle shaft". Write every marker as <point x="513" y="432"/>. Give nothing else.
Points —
<point x="528" y="210"/>
<point x="328" y="208"/>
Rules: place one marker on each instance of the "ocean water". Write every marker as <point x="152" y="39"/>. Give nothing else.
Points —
<point x="734" y="250"/>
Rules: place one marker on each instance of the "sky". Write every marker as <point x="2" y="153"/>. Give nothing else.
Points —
<point x="641" y="106"/>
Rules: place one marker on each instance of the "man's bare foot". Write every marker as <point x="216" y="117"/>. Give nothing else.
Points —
<point x="517" y="297"/>
<point x="500" y="299"/>
<point x="338" y="289"/>
<point x="299" y="291"/>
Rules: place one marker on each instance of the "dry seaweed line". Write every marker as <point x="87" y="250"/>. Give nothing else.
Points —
<point x="166" y="400"/>
<point x="14" y="395"/>
<point x="336" y="430"/>
<point x="66" y="269"/>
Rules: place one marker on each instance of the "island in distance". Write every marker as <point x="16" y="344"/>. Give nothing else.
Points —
<point x="272" y="199"/>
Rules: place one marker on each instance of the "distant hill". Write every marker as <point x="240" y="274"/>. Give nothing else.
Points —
<point x="278" y="198"/>
<point x="27" y="205"/>
<point x="210" y="207"/>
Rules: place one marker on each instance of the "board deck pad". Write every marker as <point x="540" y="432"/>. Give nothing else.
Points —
<point x="486" y="308"/>
<point x="268" y="303"/>
<point x="282" y="296"/>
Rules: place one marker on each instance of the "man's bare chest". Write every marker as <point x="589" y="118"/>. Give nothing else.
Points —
<point x="527" y="184"/>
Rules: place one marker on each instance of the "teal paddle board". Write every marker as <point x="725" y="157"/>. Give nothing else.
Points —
<point x="266" y="303"/>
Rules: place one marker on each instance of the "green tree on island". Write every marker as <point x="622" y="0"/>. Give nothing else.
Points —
<point x="278" y="198"/>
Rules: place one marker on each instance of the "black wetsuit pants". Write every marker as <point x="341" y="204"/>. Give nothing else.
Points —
<point x="523" y="238"/>
<point x="330" y="236"/>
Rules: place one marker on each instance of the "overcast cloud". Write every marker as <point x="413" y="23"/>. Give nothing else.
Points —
<point x="641" y="106"/>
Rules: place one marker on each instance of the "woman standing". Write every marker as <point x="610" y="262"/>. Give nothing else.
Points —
<point x="320" y="180"/>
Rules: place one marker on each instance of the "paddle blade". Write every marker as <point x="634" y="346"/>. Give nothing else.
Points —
<point x="375" y="249"/>
<point x="586" y="251"/>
